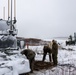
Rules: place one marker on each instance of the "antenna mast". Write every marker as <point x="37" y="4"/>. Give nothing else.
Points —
<point x="4" y="13"/>
<point x="11" y="22"/>
<point x="11" y="16"/>
<point x="15" y="8"/>
<point x="14" y="12"/>
<point x="8" y="9"/>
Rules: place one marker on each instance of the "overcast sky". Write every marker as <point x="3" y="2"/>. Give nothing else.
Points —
<point x="44" y="18"/>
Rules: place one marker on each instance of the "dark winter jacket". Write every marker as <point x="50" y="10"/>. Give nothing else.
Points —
<point x="47" y="49"/>
<point x="28" y="53"/>
<point x="54" y="48"/>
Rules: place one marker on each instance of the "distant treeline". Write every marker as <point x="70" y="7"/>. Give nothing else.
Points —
<point x="33" y="41"/>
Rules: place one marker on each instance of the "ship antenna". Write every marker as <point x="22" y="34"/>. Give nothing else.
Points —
<point x="14" y="12"/>
<point x="8" y="9"/>
<point x="11" y="16"/>
<point x="4" y="13"/>
<point x="15" y="8"/>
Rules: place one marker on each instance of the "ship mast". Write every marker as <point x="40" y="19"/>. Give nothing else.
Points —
<point x="11" y="16"/>
<point x="8" y="9"/>
<point x="4" y="13"/>
<point x="11" y="22"/>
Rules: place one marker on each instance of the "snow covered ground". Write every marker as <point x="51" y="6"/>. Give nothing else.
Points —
<point x="66" y="60"/>
<point x="13" y="64"/>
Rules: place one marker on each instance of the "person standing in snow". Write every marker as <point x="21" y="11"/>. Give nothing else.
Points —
<point x="54" y="52"/>
<point x="30" y="56"/>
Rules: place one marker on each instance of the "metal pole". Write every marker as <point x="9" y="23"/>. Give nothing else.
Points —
<point x="8" y="9"/>
<point x="11" y="16"/>
<point x="4" y="13"/>
<point x="14" y="8"/>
